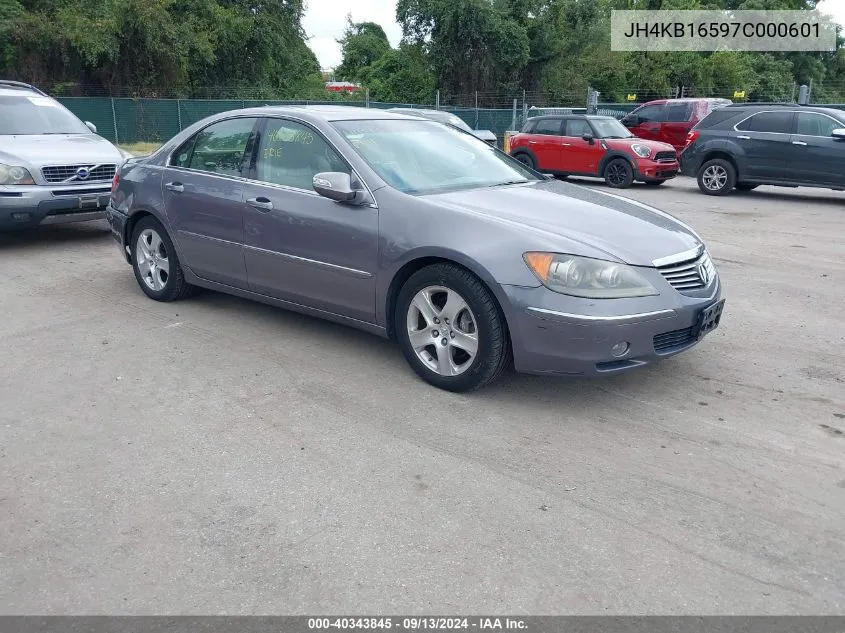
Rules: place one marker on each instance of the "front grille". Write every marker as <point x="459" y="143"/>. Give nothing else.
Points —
<point x="691" y="274"/>
<point x="69" y="173"/>
<point x="667" y="156"/>
<point x="676" y="339"/>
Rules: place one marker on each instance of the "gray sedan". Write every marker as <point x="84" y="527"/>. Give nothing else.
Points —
<point x="417" y="232"/>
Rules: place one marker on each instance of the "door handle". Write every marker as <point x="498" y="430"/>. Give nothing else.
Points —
<point x="261" y="203"/>
<point x="798" y="143"/>
<point x="178" y="187"/>
<point x="744" y="138"/>
<point x="566" y="144"/>
<point x="531" y="142"/>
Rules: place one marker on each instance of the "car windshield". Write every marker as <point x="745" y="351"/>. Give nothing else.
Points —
<point x="420" y="157"/>
<point x="36" y="114"/>
<point x="610" y="128"/>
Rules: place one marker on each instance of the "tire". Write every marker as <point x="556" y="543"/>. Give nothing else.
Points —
<point x="618" y="173"/>
<point x="745" y="186"/>
<point x="474" y="319"/>
<point x="526" y="160"/>
<point x="716" y="177"/>
<point x="165" y="281"/>
<point x="654" y="183"/>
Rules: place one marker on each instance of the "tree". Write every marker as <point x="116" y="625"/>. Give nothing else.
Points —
<point x="363" y="44"/>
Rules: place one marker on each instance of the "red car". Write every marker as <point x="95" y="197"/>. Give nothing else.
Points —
<point x="670" y="120"/>
<point x="589" y="145"/>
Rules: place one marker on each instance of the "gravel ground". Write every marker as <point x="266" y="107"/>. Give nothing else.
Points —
<point x="221" y="456"/>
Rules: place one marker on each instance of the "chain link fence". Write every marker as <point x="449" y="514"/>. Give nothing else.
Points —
<point x="129" y="120"/>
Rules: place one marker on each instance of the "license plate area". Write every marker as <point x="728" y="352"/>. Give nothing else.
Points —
<point x="708" y="319"/>
<point x="89" y="202"/>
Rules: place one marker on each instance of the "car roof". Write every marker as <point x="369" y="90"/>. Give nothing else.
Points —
<point x="774" y="105"/>
<point x="15" y="88"/>
<point x="320" y="113"/>
<point x="591" y="117"/>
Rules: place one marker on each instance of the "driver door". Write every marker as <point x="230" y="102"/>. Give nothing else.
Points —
<point x="298" y="245"/>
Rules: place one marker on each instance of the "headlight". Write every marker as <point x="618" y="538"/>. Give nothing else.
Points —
<point x="641" y="150"/>
<point x="14" y="175"/>
<point x="589" y="278"/>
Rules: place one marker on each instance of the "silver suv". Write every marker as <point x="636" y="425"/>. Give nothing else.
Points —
<point x="53" y="167"/>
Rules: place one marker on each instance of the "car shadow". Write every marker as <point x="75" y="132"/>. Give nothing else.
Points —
<point x="95" y="231"/>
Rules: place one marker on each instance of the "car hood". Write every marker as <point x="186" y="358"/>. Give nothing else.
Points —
<point x="57" y="149"/>
<point x="619" y="228"/>
<point x="625" y="144"/>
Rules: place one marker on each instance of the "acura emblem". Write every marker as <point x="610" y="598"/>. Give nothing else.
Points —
<point x="82" y="173"/>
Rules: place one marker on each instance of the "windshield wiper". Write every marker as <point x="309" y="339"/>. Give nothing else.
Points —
<point x="509" y="182"/>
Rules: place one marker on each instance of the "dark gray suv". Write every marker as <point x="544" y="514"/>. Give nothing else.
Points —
<point x="742" y="146"/>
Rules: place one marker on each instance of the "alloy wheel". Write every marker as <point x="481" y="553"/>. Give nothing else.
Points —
<point x="152" y="259"/>
<point x="714" y="177"/>
<point x="442" y="330"/>
<point x="616" y="173"/>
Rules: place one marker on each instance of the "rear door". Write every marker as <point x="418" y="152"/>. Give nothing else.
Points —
<point x="815" y="156"/>
<point x="578" y="156"/>
<point x="677" y="122"/>
<point x="766" y="137"/>
<point x="546" y="143"/>
<point x="203" y="187"/>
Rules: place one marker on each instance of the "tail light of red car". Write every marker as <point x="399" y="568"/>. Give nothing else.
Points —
<point x="115" y="181"/>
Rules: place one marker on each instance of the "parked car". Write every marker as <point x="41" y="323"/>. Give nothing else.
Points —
<point x="743" y="146"/>
<point x="670" y="120"/>
<point x="53" y="167"/>
<point x="591" y="145"/>
<point x="451" y="119"/>
<point x="414" y="231"/>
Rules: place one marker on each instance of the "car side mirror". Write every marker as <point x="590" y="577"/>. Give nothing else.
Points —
<point x="336" y="185"/>
<point x="589" y="138"/>
<point x="838" y="133"/>
<point x="91" y="126"/>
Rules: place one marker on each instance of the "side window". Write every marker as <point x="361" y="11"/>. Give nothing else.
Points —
<point x="548" y="126"/>
<point x="180" y="157"/>
<point x="779" y="122"/>
<point x="290" y="154"/>
<point x="678" y="112"/>
<point x="812" y="124"/>
<point x="578" y="127"/>
<point x="650" y="114"/>
<point x="221" y="147"/>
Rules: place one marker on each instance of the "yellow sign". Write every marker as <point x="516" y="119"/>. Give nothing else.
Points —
<point x="632" y="97"/>
<point x="739" y="94"/>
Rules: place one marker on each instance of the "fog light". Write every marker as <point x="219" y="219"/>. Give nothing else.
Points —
<point x="620" y="349"/>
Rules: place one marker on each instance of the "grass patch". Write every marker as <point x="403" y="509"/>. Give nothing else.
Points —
<point x="140" y="149"/>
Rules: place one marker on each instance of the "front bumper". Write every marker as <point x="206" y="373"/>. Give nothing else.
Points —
<point x="647" y="169"/>
<point x="31" y="206"/>
<point x="555" y="335"/>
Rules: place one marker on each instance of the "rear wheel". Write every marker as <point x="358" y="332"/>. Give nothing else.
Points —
<point x="450" y="328"/>
<point x="526" y="160"/>
<point x="745" y="186"/>
<point x="155" y="263"/>
<point x="716" y="177"/>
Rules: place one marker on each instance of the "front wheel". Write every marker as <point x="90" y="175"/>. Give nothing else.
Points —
<point x="450" y="328"/>
<point x="716" y="177"/>
<point x="155" y="263"/>
<point x="619" y="174"/>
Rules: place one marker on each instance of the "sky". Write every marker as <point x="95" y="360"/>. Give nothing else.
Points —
<point x="325" y="20"/>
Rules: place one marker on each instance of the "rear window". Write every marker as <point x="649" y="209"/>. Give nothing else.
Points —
<point x="678" y="112"/>
<point x="548" y="126"/>
<point x="773" y="122"/>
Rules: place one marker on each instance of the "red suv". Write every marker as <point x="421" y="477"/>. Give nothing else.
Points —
<point x="670" y="120"/>
<point x="588" y="145"/>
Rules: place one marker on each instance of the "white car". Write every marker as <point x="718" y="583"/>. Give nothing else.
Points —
<point x="53" y="167"/>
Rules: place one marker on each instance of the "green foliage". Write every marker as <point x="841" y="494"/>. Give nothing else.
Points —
<point x="363" y="44"/>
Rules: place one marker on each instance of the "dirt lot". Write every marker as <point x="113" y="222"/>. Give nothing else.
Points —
<point x="219" y="456"/>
